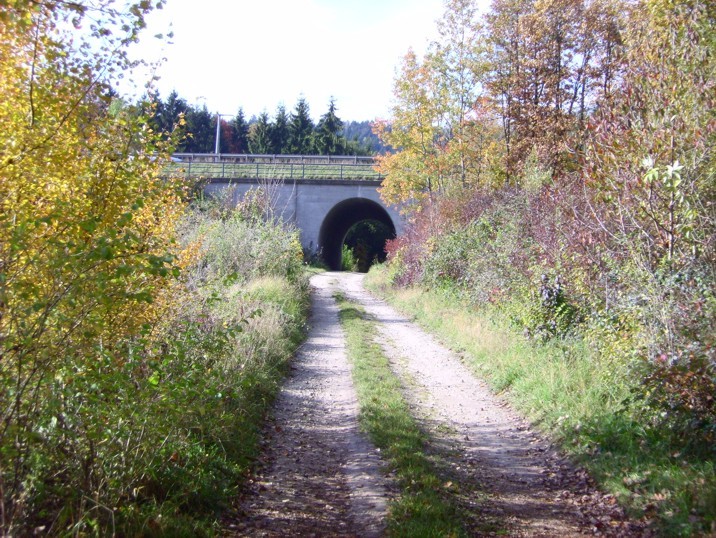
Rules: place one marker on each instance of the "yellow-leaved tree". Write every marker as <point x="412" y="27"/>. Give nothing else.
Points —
<point x="86" y="247"/>
<point x="442" y="128"/>
<point x="413" y="172"/>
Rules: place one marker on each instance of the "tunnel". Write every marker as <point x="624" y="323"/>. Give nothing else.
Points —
<point x="340" y="219"/>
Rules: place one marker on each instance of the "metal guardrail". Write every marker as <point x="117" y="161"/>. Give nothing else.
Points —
<point x="269" y="167"/>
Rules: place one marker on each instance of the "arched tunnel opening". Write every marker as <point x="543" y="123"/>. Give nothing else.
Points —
<point x="368" y="223"/>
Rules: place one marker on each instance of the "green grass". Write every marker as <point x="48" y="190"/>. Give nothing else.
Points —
<point x="580" y="401"/>
<point x="272" y="171"/>
<point x="423" y="507"/>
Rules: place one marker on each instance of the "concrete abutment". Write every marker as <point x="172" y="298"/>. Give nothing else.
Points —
<point x="322" y="210"/>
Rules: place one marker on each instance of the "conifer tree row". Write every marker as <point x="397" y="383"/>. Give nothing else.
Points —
<point x="287" y="133"/>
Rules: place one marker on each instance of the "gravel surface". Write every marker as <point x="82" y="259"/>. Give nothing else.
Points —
<point x="321" y="477"/>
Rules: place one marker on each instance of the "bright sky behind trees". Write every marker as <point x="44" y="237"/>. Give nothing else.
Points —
<point x="259" y="53"/>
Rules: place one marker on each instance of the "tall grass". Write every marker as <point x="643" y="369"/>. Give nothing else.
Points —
<point x="229" y="343"/>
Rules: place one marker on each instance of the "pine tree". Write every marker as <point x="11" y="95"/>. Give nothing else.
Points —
<point x="201" y="127"/>
<point x="165" y="117"/>
<point x="328" y="132"/>
<point x="279" y="131"/>
<point x="300" y="130"/>
<point x="240" y="128"/>
<point x="171" y="112"/>
<point x="260" y="135"/>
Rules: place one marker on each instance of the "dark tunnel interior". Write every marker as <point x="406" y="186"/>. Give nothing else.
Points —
<point x="340" y="219"/>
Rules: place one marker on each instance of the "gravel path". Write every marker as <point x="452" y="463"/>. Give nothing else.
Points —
<point x="323" y="478"/>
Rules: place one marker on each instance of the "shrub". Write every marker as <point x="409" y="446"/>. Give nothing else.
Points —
<point x="244" y="249"/>
<point x="348" y="259"/>
<point x="150" y="431"/>
<point x="679" y="365"/>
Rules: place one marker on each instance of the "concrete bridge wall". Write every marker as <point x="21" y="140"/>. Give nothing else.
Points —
<point x="323" y="210"/>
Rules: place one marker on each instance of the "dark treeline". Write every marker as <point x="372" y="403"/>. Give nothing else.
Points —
<point x="292" y="133"/>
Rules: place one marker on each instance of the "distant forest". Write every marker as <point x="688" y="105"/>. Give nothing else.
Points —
<point x="292" y="133"/>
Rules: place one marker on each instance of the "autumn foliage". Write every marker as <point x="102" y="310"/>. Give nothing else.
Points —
<point x="128" y="398"/>
<point x="574" y="193"/>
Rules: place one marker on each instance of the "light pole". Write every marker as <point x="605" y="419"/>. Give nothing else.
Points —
<point x="218" y="131"/>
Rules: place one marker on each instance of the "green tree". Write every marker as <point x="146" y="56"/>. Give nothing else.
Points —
<point x="240" y="129"/>
<point x="172" y="116"/>
<point x="201" y="130"/>
<point x="328" y="132"/>
<point x="280" y="131"/>
<point x="361" y="147"/>
<point x="361" y="139"/>
<point x="300" y="129"/>
<point x="260" y="135"/>
<point x="172" y="111"/>
<point x="167" y="117"/>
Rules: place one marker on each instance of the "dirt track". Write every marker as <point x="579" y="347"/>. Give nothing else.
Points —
<point x="321" y="477"/>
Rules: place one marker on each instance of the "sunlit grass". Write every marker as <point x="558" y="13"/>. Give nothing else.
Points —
<point x="273" y="171"/>
<point x="423" y="507"/>
<point x="580" y="401"/>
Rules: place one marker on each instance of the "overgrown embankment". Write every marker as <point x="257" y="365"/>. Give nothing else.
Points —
<point x="140" y="342"/>
<point x="586" y="402"/>
<point x="152" y="432"/>
<point x="556" y="161"/>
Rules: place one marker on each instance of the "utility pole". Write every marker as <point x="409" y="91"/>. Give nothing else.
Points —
<point x="218" y="132"/>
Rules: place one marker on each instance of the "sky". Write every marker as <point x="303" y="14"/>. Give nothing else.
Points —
<point x="257" y="54"/>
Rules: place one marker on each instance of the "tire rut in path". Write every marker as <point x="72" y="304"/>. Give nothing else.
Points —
<point x="524" y="487"/>
<point x="321" y="476"/>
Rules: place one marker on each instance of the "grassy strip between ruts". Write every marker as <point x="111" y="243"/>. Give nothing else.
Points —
<point x="578" y="399"/>
<point x="423" y="507"/>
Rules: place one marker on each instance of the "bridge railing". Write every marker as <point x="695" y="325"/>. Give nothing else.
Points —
<point x="269" y="167"/>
